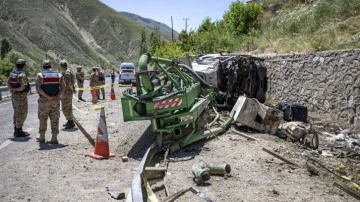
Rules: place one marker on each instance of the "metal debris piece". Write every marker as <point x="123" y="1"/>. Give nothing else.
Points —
<point x="252" y="113"/>
<point x="348" y="190"/>
<point x="203" y="170"/>
<point x="300" y="132"/>
<point x="281" y="158"/>
<point x="243" y="134"/>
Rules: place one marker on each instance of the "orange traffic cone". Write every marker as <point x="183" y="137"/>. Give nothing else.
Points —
<point x="94" y="96"/>
<point x="101" y="141"/>
<point x="112" y="94"/>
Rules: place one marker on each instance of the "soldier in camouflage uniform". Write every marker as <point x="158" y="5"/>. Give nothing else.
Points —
<point x="19" y="87"/>
<point x="94" y="80"/>
<point x="80" y="77"/>
<point x="101" y="82"/>
<point x="50" y="86"/>
<point x="66" y="99"/>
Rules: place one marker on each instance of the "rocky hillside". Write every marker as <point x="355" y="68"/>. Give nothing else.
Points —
<point x="149" y="23"/>
<point x="83" y="32"/>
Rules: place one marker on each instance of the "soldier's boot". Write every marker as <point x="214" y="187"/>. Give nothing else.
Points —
<point x="70" y="125"/>
<point x="20" y="133"/>
<point x="82" y="99"/>
<point x="103" y="97"/>
<point x="67" y="123"/>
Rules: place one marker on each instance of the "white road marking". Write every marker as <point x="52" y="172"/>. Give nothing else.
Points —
<point x="29" y="129"/>
<point x="4" y="144"/>
<point x="7" y="142"/>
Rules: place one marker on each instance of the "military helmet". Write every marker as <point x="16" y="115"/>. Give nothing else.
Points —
<point x="63" y="63"/>
<point x="20" y="61"/>
<point x="46" y="63"/>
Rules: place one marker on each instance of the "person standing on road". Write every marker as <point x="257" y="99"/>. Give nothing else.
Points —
<point x="101" y="82"/>
<point x="19" y="87"/>
<point x="50" y="86"/>
<point x="113" y="76"/>
<point x="80" y="77"/>
<point x="94" y="79"/>
<point x="66" y="99"/>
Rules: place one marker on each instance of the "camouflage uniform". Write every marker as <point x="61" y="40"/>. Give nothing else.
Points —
<point x="49" y="101"/>
<point x="66" y="99"/>
<point x="17" y="83"/>
<point x="94" y="80"/>
<point x="80" y="82"/>
<point x="101" y="82"/>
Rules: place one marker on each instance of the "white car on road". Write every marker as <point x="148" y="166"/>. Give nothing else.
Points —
<point x="127" y="73"/>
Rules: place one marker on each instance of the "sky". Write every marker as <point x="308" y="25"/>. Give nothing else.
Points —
<point x="191" y="11"/>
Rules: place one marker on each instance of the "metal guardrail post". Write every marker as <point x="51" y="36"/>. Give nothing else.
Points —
<point x="5" y="88"/>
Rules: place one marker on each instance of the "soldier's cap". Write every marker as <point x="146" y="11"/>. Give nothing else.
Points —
<point x="46" y="63"/>
<point x="63" y="63"/>
<point x="20" y="62"/>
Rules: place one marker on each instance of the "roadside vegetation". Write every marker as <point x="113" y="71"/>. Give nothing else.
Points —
<point x="273" y="26"/>
<point x="270" y="26"/>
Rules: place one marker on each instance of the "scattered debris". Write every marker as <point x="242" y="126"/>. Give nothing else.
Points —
<point x="252" y="113"/>
<point x="281" y="158"/>
<point x="202" y="171"/>
<point x="348" y="190"/>
<point x="300" y="132"/>
<point x="124" y="158"/>
<point x="115" y="194"/>
<point x="243" y="134"/>
<point x="293" y="111"/>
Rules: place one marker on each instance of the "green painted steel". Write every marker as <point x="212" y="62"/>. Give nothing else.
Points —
<point x="171" y="100"/>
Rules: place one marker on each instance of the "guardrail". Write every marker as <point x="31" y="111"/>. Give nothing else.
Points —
<point x="5" y="88"/>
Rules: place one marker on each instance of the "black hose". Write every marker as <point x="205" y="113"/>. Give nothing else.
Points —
<point x="197" y="77"/>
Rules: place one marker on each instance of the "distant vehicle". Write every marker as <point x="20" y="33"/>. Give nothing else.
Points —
<point x="127" y="73"/>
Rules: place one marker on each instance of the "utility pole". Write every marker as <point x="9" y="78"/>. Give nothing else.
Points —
<point x="172" y="30"/>
<point x="186" y="23"/>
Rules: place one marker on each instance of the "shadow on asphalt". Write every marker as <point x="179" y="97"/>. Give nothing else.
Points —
<point x="139" y="149"/>
<point x="20" y="139"/>
<point x="70" y="130"/>
<point x="47" y="146"/>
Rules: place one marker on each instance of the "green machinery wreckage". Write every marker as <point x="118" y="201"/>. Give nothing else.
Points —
<point x="182" y="102"/>
<point x="174" y="98"/>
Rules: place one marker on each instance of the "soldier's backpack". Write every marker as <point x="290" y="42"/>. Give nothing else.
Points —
<point x="293" y="111"/>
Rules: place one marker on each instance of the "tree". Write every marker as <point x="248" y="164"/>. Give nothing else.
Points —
<point x="155" y="39"/>
<point x="143" y="43"/>
<point x="5" y="47"/>
<point x="206" y="25"/>
<point x="241" y="18"/>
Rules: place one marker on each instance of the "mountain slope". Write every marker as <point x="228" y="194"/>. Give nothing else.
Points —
<point x="165" y="30"/>
<point x="83" y="32"/>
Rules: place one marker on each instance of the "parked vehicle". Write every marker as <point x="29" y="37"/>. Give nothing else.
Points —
<point x="127" y="73"/>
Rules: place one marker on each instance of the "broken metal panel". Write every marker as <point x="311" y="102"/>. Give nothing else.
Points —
<point x="251" y="113"/>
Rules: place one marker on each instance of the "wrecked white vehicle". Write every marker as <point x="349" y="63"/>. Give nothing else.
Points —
<point x="233" y="75"/>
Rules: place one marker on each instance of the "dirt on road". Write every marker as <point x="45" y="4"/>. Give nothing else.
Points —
<point x="64" y="172"/>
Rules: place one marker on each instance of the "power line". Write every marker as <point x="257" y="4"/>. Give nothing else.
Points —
<point x="186" y="19"/>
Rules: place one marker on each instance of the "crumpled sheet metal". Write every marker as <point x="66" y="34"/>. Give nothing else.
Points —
<point x="252" y="113"/>
<point x="295" y="130"/>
